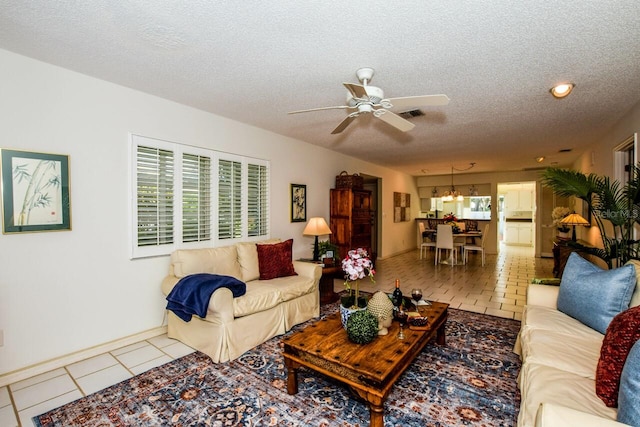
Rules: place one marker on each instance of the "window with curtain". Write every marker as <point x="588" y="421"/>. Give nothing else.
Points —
<point x="188" y="197"/>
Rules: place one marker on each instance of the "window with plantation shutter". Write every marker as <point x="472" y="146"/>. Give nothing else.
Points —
<point x="190" y="197"/>
<point x="196" y="198"/>
<point x="257" y="201"/>
<point x="229" y="199"/>
<point x="154" y="201"/>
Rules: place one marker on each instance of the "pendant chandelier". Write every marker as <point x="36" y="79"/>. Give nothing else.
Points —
<point x="454" y="194"/>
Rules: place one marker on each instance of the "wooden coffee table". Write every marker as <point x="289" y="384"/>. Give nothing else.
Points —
<point x="370" y="370"/>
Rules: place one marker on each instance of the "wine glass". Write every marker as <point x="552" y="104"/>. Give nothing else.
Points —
<point x="416" y="295"/>
<point x="402" y="316"/>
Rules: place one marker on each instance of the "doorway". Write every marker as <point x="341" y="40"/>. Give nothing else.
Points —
<point x="516" y="215"/>
<point x="374" y="184"/>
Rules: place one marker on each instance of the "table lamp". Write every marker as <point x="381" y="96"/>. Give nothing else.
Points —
<point x="316" y="226"/>
<point x="574" y="219"/>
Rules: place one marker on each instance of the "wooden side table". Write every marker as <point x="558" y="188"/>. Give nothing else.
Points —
<point x="327" y="295"/>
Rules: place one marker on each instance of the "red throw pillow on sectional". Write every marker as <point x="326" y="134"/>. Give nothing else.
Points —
<point x="622" y="333"/>
<point x="274" y="260"/>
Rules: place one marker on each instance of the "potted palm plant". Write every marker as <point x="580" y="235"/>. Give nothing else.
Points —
<point x="615" y="208"/>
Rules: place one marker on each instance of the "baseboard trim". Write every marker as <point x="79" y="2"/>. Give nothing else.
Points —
<point x="62" y="361"/>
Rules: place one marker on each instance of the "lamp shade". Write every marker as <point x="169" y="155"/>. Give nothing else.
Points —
<point x="574" y="219"/>
<point x="316" y="226"/>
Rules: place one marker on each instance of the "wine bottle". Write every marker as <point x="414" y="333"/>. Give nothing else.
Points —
<point x="397" y="294"/>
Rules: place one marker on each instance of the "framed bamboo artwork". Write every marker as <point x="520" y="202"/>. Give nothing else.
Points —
<point x="35" y="192"/>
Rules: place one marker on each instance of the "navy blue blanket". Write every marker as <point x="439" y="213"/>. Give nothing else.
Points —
<point x="192" y="293"/>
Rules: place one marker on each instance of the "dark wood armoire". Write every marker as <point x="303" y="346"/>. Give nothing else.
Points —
<point x="350" y="220"/>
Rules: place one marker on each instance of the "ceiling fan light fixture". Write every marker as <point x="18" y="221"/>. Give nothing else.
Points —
<point x="562" y="90"/>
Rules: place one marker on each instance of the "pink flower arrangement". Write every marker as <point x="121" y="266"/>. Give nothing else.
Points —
<point x="357" y="265"/>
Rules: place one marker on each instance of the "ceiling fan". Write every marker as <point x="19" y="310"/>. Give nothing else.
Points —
<point x="364" y="99"/>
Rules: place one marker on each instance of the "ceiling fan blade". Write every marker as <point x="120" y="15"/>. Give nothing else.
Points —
<point x="394" y="120"/>
<point x="346" y="122"/>
<point x="358" y="91"/>
<point x="418" y="101"/>
<point x="337" y="107"/>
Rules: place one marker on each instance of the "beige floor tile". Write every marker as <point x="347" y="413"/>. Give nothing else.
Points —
<point x="500" y="313"/>
<point x="177" y="350"/>
<point x="42" y="407"/>
<point x="162" y="341"/>
<point x="103" y="378"/>
<point x="42" y="391"/>
<point x="8" y="417"/>
<point x="4" y="397"/>
<point x="488" y="304"/>
<point x="473" y="308"/>
<point x="511" y="307"/>
<point x="151" y="364"/>
<point x="91" y="365"/>
<point x="139" y="355"/>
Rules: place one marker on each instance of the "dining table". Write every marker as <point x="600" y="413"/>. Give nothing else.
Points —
<point x="432" y="234"/>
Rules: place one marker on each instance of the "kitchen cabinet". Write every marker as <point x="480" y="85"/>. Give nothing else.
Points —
<point x="518" y="200"/>
<point x="518" y="233"/>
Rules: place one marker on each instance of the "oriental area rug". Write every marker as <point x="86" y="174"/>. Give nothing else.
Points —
<point x="469" y="382"/>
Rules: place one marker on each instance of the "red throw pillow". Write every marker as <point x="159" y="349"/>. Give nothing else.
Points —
<point x="622" y="333"/>
<point x="274" y="260"/>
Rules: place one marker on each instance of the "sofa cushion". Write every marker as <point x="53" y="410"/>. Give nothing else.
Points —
<point x="248" y="258"/>
<point x="629" y="409"/>
<point x="593" y="295"/>
<point x="275" y="260"/>
<point x="549" y="348"/>
<point x="550" y="319"/>
<point x="622" y="334"/>
<point x="260" y="296"/>
<point x="542" y="383"/>
<point x="263" y="295"/>
<point x="222" y="260"/>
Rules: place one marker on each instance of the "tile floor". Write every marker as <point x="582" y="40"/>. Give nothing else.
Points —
<point x="498" y="289"/>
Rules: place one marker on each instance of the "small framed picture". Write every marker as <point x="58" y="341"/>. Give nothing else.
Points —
<point x="35" y="192"/>
<point x="298" y="203"/>
<point x="329" y="254"/>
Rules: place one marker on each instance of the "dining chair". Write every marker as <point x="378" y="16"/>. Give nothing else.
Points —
<point x="477" y="248"/>
<point x="444" y="240"/>
<point x="424" y="244"/>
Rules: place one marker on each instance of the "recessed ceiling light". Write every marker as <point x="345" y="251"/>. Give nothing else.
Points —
<point x="562" y="90"/>
<point x="540" y="159"/>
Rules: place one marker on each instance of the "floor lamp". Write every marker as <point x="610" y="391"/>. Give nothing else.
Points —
<point x="573" y="220"/>
<point x="316" y="226"/>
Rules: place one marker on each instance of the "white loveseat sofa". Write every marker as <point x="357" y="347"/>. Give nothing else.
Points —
<point x="559" y="361"/>
<point x="234" y="325"/>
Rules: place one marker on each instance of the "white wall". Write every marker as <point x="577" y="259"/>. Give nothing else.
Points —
<point x="62" y="292"/>
<point x="599" y="159"/>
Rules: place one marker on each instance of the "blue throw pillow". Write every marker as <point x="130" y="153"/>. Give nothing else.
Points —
<point x="592" y="295"/>
<point x="629" y="394"/>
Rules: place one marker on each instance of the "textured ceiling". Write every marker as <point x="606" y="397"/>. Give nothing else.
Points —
<point x="253" y="61"/>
